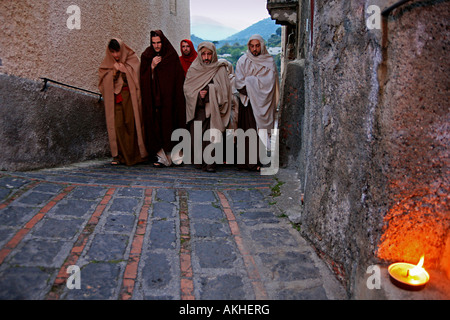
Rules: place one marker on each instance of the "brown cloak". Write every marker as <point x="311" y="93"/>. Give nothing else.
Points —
<point x="108" y="88"/>
<point x="163" y="102"/>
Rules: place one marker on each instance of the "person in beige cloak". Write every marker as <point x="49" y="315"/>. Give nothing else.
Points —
<point x="208" y="101"/>
<point x="258" y="84"/>
<point x="119" y="85"/>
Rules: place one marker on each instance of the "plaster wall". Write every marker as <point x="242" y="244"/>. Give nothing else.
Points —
<point x="36" y="41"/>
<point x="62" y="126"/>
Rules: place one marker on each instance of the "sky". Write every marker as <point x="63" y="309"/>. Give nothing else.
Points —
<point x="235" y="15"/>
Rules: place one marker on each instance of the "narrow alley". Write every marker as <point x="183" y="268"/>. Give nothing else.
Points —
<point x="150" y="234"/>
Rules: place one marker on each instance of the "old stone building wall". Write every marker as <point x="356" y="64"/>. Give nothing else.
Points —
<point x="66" y="41"/>
<point x="37" y="42"/>
<point x="414" y="131"/>
<point x="364" y="122"/>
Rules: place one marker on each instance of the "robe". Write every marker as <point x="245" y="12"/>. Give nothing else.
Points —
<point x="258" y="78"/>
<point x="163" y="101"/>
<point x="126" y="139"/>
<point x="214" y="112"/>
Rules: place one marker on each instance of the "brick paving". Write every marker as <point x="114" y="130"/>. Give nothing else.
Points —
<point x="142" y="233"/>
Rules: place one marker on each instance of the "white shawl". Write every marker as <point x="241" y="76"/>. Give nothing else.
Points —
<point x="260" y="77"/>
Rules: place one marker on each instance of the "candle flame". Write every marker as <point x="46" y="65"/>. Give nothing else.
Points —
<point x="417" y="269"/>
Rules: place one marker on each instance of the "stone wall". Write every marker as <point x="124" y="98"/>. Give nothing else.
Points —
<point x="36" y="41"/>
<point x="414" y="134"/>
<point x="46" y="129"/>
<point x="371" y="147"/>
<point x="60" y="126"/>
<point x="340" y="97"/>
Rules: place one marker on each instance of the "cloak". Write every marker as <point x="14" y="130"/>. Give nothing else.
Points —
<point x="163" y="101"/>
<point x="108" y="88"/>
<point x="215" y="76"/>
<point x="259" y="76"/>
<point x="186" y="61"/>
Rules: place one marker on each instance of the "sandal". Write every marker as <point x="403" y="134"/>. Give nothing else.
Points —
<point x="115" y="163"/>
<point x="158" y="165"/>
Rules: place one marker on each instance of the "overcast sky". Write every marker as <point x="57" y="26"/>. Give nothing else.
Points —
<point x="237" y="14"/>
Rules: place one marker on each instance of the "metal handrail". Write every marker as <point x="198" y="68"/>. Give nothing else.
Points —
<point x="46" y="80"/>
<point x="394" y="6"/>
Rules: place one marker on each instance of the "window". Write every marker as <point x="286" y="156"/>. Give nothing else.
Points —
<point x="173" y="7"/>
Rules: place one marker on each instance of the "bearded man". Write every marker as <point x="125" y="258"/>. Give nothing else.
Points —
<point x="208" y="102"/>
<point x="163" y="102"/>
<point x="188" y="54"/>
<point x="258" y="84"/>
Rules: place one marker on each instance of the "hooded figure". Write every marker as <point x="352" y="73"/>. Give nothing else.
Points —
<point x="258" y="84"/>
<point x="119" y="85"/>
<point x="163" y="102"/>
<point x="186" y="60"/>
<point x="258" y="74"/>
<point x="214" y="108"/>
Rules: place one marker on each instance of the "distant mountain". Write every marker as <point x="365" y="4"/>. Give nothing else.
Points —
<point x="196" y="40"/>
<point x="210" y="29"/>
<point x="265" y="28"/>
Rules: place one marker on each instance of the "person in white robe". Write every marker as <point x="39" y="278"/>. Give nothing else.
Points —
<point x="257" y="80"/>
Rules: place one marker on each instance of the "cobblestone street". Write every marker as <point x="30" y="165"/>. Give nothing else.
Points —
<point x="143" y="233"/>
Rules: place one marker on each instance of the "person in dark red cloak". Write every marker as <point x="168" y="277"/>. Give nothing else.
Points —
<point x="188" y="54"/>
<point x="163" y="102"/>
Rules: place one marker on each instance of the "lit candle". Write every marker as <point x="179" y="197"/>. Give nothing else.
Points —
<point x="409" y="276"/>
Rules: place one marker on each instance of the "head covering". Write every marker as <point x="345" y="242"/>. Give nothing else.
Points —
<point x="260" y="77"/>
<point x="264" y="51"/>
<point x="162" y="96"/>
<point x="186" y="61"/>
<point x="198" y="77"/>
<point x="109" y="88"/>
<point x="167" y="50"/>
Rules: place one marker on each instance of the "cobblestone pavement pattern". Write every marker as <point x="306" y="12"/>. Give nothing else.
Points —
<point x="152" y="234"/>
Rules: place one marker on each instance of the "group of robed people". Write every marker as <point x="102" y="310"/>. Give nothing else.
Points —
<point x="147" y="99"/>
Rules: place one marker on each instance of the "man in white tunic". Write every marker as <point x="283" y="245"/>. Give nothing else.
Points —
<point x="258" y="84"/>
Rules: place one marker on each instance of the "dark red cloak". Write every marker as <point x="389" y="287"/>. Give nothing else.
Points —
<point x="163" y="101"/>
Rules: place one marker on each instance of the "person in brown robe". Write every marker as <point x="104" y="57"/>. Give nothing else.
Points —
<point x="120" y="88"/>
<point x="164" y="105"/>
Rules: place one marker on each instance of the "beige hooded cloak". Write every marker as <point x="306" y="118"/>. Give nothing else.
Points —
<point x="220" y="95"/>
